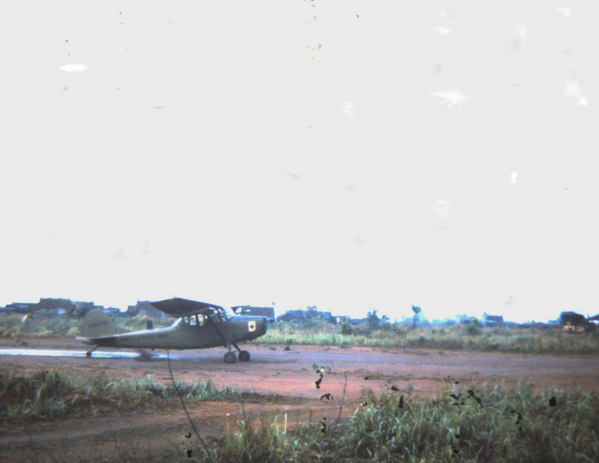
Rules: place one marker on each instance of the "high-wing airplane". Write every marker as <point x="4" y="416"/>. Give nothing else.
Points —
<point x="199" y="326"/>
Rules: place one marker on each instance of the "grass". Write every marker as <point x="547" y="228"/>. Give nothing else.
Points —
<point x="50" y="394"/>
<point x="457" y="336"/>
<point x="484" y="424"/>
<point x="488" y="424"/>
<point x="384" y="335"/>
<point x="508" y="425"/>
<point x="12" y="326"/>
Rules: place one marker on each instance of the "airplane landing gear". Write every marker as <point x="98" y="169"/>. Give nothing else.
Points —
<point x="88" y="354"/>
<point x="231" y="357"/>
<point x="244" y="355"/>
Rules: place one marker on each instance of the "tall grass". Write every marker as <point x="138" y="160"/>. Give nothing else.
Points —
<point x="507" y="425"/>
<point x="50" y="394"/>
<point x="515" y="340"/>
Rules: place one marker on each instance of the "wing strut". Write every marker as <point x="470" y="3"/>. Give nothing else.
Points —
<point x="220" y="333"/>
<point x="230" y="357"/>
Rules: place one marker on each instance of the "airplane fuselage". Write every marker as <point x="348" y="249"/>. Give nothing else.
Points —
<point x="183" y="335"/>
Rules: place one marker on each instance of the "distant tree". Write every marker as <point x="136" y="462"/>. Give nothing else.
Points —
<point x="385" y="324"/>
<point x="416" y="311"/>
<point x="373" y="319"/>
<point x="346" y="327"/>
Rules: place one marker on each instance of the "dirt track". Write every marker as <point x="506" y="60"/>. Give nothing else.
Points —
<point x="289" y="376"/>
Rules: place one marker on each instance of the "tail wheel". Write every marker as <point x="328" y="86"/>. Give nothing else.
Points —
<point x="230" y="357"/>
<point x="244" y="356"/>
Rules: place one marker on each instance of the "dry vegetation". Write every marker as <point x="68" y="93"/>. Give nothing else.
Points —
<point x="50" y="394"/>
<point x="486" y="424"/>
<point x="507" y="425"/>
<point x="473" y="336"/>
<point x="491" y="423"/>
<point x="532" y="340"/>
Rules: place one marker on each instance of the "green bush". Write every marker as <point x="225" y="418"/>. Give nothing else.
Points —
<point x="473" y="328"/>
<point x="346" y="328"/>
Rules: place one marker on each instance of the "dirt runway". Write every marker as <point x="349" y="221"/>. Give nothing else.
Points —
<point x="287" y="378"/>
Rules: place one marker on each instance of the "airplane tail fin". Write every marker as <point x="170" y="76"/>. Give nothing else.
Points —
<point x="97" y="324"/>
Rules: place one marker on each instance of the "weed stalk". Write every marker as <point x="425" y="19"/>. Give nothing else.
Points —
<point x="170" y="370"/>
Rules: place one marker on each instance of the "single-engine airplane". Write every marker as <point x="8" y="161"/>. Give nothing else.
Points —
<point x="199" y="326"/>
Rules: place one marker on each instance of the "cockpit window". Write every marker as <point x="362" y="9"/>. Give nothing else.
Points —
<point x="194" y="320"/>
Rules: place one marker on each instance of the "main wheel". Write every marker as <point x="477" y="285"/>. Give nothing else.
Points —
<point x="230" y="357"/>
<point x="244" y="356"/>
<point x="88" y="354"/>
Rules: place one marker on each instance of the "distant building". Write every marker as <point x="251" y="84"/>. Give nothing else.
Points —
<point x="304" y="315"/>
<point x="576" y="323"/>
<point x="82" y="308"/>
<point x="492" y="320"/>
<point x="22" y="307"/>
<point x="56" y="303"/>
<point x="268" y="312"/>
<point x="572" y="318"/>
<point x="345" y="318"/>
<point x="591" y="327"/>
<point x="290" y="315"/>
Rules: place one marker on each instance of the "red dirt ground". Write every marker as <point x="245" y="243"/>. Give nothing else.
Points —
<point x="287" y="377"/>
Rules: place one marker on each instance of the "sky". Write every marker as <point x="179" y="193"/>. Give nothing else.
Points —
<point x="351" y="155"/>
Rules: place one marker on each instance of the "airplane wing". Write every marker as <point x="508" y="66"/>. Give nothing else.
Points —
<point x="179" y="307"/>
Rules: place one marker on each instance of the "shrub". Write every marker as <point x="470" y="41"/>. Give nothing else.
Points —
<point x="473" y="328"/>
<point x="346" y="328"/>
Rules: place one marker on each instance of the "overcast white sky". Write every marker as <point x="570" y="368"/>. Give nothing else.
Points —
<point x="442" y="154"/>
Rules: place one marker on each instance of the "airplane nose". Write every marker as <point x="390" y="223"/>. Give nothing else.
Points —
<point x="254" y="327"/>
<point x="263" y="325"/>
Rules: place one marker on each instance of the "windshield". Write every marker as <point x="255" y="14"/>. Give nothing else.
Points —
<point x="228" y="312"/>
